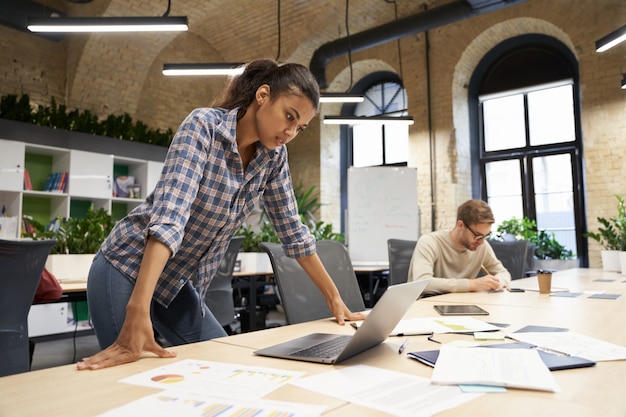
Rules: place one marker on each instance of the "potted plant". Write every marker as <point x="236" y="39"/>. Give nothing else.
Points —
<point x="548" y="253"/>
<point x="251" y="258"/>
<point x="611" y="235"/>
<point x="78" y="240"/>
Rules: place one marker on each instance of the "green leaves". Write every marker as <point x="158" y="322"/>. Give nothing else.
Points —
<point x="612" y="234"/>
<point x="546" y="245"/>
<point x="56" y="116"/>
<point x="78" y="236"/>
<point x="308" y="204"/>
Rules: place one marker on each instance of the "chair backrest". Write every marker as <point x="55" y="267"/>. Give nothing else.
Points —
<point x="299" y="296"/>
<point x="513" y="255"/>
<point x="22" y="264"/>
<point x="400" y="252"/>
<point x="219" y="296"/>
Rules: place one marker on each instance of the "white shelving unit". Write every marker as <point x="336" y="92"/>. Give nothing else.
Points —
<point x="90" y="180"/>
<point x="92" y="164"/>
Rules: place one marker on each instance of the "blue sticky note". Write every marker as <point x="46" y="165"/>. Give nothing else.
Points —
<point x="475" y="388"/>
<point x="605" y="296"/>
<point x="565" y="294"/>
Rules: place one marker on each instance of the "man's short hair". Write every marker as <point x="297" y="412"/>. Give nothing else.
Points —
<point x="475" y="211"/>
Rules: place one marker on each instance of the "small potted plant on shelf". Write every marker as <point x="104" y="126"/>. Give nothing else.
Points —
<point x="611" y="235"/>
<point x="78" y="239"/>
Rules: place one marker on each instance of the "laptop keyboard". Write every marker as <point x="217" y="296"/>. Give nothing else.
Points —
<point x="326" y="349"/>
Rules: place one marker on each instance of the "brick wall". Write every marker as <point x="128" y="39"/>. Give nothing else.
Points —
<point x="112" y="75"/>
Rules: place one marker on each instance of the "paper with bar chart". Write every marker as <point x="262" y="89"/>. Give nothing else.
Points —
<point x="176" y="403"/>
<point x="220" y="379"/>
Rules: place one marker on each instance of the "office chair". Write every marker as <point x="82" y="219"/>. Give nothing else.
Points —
<point x="22" y="263"/>
<point x="514" y="255"/>
<point x="219" y="296"/>
<point x="400" y="253"/>
<point x="300" y="297"/>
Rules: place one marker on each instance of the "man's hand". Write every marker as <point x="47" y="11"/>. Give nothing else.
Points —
<point x="486" y="283"/>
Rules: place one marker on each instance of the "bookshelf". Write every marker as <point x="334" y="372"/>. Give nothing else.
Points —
<point x="89" y="178"/>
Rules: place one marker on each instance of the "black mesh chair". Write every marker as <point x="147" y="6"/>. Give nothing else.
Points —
<point x="400" y="252"/>
<point x="22" y="264"/>
<point x="219" y="296"/>
<point x="514" y="255"/>
<point x="299" y="296"/>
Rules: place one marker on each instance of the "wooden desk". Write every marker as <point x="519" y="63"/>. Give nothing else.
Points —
<point x="587" y="392"/>
<point x="89" y="393"/>
<point x="576" y="280"/>
<point x="73" y="290"/>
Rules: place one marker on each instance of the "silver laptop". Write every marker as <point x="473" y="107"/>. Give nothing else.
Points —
<point x="334" y="348"/>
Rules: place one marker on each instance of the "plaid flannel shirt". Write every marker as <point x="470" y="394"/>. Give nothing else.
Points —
<point x="201" y="199"/>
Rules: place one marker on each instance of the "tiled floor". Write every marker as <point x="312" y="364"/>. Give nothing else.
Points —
<point x="69" y="350"/>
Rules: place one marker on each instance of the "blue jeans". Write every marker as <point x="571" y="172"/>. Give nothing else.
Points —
<point x="108" y="292"/>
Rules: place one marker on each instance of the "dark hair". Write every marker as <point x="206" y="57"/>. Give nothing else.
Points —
<point x="475" y="211"/>
<point x="289" y="78"/>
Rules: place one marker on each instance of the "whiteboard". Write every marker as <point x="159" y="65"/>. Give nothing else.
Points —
<point x="382" y="204"/>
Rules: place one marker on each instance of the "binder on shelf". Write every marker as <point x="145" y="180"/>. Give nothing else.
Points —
<point x="28" y="185"/>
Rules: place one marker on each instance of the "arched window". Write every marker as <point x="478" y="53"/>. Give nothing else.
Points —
<point x="385" y="144"/>
<point x="526" y="144"/>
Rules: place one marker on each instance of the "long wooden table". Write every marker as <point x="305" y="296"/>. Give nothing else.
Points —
<point x="587" y="392"/>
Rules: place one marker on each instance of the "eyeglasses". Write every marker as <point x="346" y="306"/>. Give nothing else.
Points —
<point x="477" y="236"/>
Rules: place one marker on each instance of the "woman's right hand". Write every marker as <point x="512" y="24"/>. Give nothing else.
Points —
<point x="135" y="338"/>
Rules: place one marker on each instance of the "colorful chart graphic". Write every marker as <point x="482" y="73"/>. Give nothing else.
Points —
<point x="168" y="378"/>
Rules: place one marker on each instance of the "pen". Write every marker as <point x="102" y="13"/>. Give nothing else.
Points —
<point x="484" y="269"/>
<point x="554" y="352"/>
<point x="403" y="345"/>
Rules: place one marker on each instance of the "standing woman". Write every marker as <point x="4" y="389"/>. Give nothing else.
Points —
<point x="152" y="271"/>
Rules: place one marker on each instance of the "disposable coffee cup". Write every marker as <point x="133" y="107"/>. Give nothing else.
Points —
<point x="545" y="281"/>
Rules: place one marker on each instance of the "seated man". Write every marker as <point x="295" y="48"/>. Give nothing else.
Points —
<point x="453" y="259"/>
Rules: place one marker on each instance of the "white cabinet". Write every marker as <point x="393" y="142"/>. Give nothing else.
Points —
<point x="90" y="174"/>
<point x="11" y="165"/>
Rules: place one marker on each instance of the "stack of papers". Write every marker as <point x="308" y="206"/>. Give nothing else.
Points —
<point x="196" y="388"/>
<point x="573" y="344"/>
<point x="512" y="368"/>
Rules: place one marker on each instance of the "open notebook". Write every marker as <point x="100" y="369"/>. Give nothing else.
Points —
<point x="333" y="348"/>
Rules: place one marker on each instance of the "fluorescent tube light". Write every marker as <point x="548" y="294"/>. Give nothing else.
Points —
<point x="233" y="68"/>
<point x="371" y="120"/>
<point x="108" y="24"/>
<point x="612" y="39"/>
<point x="341" y="98"/>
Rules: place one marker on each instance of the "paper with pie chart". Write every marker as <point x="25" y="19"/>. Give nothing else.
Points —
<point x="220" y="379"/>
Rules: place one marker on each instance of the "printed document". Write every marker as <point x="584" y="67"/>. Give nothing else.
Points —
<point x="392" y="392"/>
<point x="512" y="368"/>
<point x="179" y="403"/>
<point x="574" y="344"/>
<point x="226" y="380"/>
